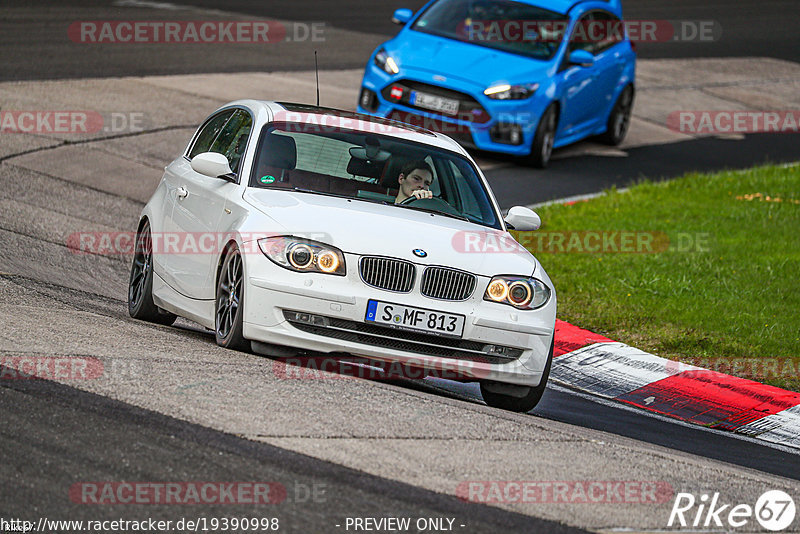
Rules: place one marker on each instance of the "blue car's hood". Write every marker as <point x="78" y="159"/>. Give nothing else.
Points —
<point x="472" y="64"/>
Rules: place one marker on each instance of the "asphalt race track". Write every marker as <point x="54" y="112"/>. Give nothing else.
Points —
<point x="171" y="406"/>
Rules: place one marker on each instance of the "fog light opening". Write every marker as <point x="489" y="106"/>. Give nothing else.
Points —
<point x="306" y="318"/>
<point x="507" y="133"/>
<point x="368" y="99"/>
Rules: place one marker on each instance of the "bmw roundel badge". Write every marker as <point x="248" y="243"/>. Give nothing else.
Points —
<point x="419" y="252"/>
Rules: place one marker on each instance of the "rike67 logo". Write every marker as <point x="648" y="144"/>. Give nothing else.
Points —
<point x="774" y="510"/>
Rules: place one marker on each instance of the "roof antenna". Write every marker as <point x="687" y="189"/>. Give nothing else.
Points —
<point x="316" y="71"/>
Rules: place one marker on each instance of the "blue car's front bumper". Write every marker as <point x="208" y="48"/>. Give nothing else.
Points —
<point x="504" y="126"/>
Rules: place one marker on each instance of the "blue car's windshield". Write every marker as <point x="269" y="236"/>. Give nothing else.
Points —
<point x="501" y="24"/>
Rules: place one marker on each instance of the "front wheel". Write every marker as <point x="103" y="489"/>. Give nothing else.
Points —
<point x="140" y="285"/>
<point x="620" y="118"/>
<point x="229" y="304"/>
<point x="524" y="403"/>
<point x="542" y="145"/>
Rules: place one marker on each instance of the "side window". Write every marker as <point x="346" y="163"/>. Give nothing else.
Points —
<point x="435" y="185"/>
<point x="580" y="35"/>
<point x="469" y="205"/>
<point x="596" y="31"/>
<point x="209" y="132"/>
<point x="607" y="31"/>
<point x="232" y="139"/>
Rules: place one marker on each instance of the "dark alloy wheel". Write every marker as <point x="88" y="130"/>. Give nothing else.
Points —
<point x="620" y="118"/>
<point x="542" y="145"/>
<point x="229" y="305"/>
<point x="140" y="286"/>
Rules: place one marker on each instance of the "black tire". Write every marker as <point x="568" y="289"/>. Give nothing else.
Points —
<point x="140" y="285"/>
<point x="542" y="144"/>
<point x="519" y="404"/>
<point x="620" y="118"/>
<point x="229" y="302"/>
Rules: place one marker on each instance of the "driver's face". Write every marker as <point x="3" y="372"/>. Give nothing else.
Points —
<point x="416" y="179"/>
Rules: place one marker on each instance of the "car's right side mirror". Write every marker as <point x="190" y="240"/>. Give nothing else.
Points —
<point x="523" y="219"/>
<point x="582" y="58"/>
<point x="401" y="16"/>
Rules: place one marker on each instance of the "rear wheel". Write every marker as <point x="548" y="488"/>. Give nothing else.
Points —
<point x="542" y="145"/>
<point x="229" y="304"/>
<point x="140" y="285"/>
<point x="620" y="118"/>
<point x="525" y="402"/>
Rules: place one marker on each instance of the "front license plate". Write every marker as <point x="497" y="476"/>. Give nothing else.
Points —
<point x="437" y="103"/>
<point x="417" y="319"/>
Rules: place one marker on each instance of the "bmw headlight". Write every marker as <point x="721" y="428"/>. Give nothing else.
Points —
<point x="386" y="62"/>
<point x="511" y="92"/>
<point x="303" y="255"/>
<point x="522" y="292"/>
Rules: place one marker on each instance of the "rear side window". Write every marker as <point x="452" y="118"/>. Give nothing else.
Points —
<point x="209" y="132"/>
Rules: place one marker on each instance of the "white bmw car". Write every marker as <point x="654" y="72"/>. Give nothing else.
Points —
<point x="287" y="225"/>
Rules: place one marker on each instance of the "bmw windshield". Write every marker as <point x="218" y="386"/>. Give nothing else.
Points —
<point x="312" y="158"/>
<point x="500" y="24"/>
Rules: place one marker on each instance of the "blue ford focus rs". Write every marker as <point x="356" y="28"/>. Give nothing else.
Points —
<point x="514" y="77"/>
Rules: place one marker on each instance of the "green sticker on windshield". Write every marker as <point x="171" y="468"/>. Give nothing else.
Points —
<point x="267" y="179"/>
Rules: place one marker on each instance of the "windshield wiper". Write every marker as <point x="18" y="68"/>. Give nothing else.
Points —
<point x="437" y="212"/>
<point x="313" y="192"/>
<point x="324" y="193"/>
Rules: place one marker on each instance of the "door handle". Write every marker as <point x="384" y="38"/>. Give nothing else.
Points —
<point x="182" y="192"/>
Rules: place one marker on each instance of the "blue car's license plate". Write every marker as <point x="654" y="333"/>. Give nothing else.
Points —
<point x="436" y="103"/>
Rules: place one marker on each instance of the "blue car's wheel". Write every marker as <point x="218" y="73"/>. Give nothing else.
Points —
<point x="619" y="119"/>
<point x="542" y="145"/>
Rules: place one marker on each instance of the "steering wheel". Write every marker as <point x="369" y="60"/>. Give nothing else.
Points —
<point x="412" y="198"/>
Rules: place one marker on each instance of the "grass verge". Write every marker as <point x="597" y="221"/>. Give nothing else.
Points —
<point x="719" y="286"/>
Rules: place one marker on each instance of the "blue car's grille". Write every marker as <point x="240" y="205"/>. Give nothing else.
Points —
<point x="469" y="109"/>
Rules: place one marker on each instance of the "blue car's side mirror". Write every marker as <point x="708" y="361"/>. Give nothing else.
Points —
<point x="581" y="58"/>
<point x="401" y="16"/>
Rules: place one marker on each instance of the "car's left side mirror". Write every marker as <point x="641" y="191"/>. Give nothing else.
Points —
<point x="582" y="58"/>
<point x="213" y="164"/>
<point x="401" y="16"/>
<point x="523" y="219"/>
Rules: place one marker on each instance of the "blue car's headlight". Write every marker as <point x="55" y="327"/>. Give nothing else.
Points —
<point x="303" y="255"/>
<point x="386" y="62"/>
<point x="522" y="292"/>
<point x="511" y="92"/>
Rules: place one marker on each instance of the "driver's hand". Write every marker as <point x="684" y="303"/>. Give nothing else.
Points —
<point x="422" y="193"/>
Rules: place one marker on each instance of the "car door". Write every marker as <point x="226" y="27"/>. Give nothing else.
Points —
<point x="585" y="88"/>
<point x="199" y="207"/>
<point x="609" y="60"/>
